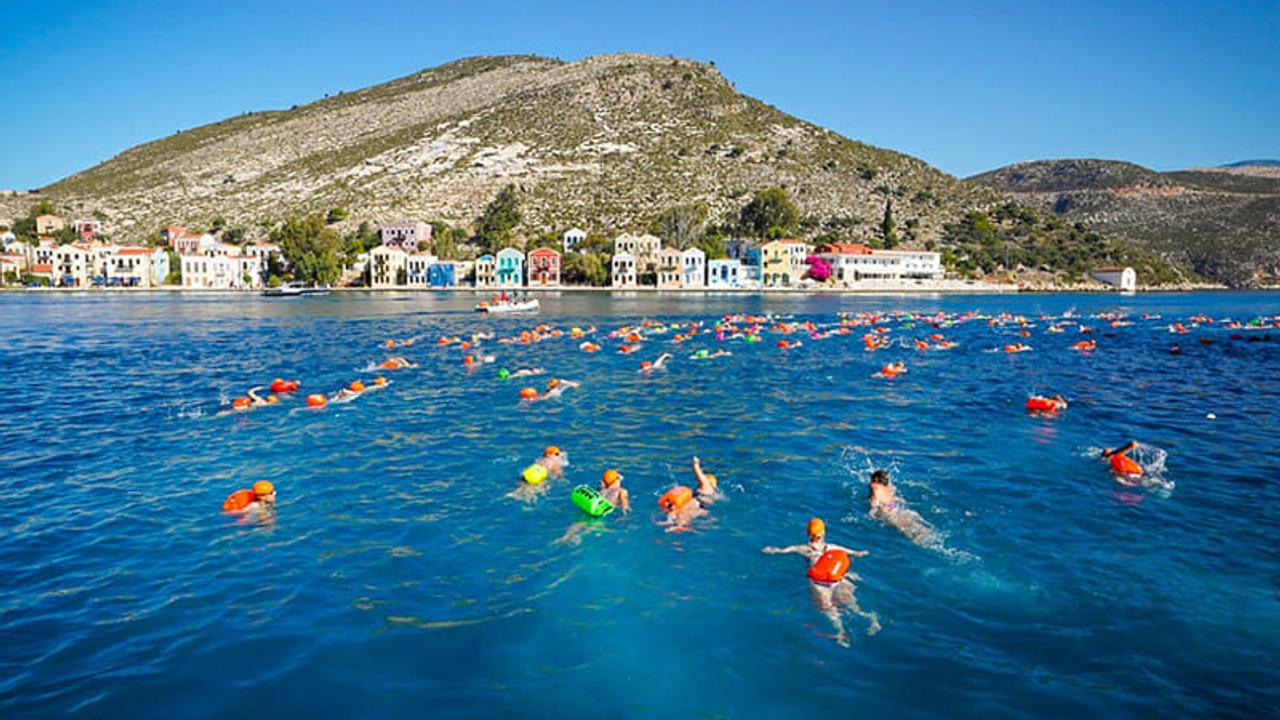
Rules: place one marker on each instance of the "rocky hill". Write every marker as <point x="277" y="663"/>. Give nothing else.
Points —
<point x="1222" y="222"/>
<point x="605" y="143"/>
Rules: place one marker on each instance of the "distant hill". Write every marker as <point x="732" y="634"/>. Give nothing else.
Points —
<point x="605" y="144"/>
<point x="1224" y="223"/>
<point x="1253" y="163"/>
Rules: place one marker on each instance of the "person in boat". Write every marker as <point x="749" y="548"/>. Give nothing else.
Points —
<point x="1124" y="469"/>
<point x="708" y="485"/>
<point x="886" y="506"/>
<point x="830" y="595"/>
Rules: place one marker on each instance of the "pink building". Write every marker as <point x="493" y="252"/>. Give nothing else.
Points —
<point x="409" y="235"/>
<point x="544" y="268"/>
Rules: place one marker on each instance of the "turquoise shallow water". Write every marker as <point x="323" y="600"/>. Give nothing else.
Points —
<point x="398" y="580"/>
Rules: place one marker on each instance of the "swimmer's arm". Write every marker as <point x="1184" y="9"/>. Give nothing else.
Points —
<point x="253" y="395"/>
<point x="851" y="551"/>
<point x="624" y="500"/>
<point x="771" y="550"/>
<point x="1131" y="445"/>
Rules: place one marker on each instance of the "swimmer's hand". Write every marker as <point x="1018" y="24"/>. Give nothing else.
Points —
<point x="859" y="553"/>
<point x="771" y="550"/>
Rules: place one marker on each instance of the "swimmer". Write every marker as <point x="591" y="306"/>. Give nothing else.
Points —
<point x="892" y="370"/>
<point x="250" y="399"/>
<point x="260" y="502"/>
<point x="348" y="393"/>
<point x="554" y="460"/>
<point x="556" y="388"/>
<point x="1124" y="469"/>
<point x="611" y="489"/>
<point x="396" y="363"/>
<point x="681" y="508"/>
<point x="708" y="486"/>
<point x="659" y="363"/>
<point x="886" y="506"/>
<point x="1050" y="405"/>
<point x="526" y="372"/>
<point x="830" y="594"/>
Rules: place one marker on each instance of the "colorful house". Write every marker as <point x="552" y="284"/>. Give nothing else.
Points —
<point x="724" y="273"/>
<point x="442" y="275"/>
<point x="510" y="272"/>
<point x="87" y="228"/>
<point x="544" y="268"/>
<point x="774" y="260"/>
<point x="49" y="224"/>
<point x="409" y="235"/>
<point x="670" y="270"/>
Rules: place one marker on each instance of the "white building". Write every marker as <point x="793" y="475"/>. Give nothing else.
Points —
<point x="187" y="244"/>
<point x="221" y="272"/>
<point x="571" y="238"/>
<point x="417" y="266"/>
<point x="1124" y="278"/>
<point x="724" y="273"/>
<point x="623" y="270"/>
<point x="388" y="266"/>
<point x="670" y="268"/>
<point x="486" y="271"/>
<point x="73" y="265"/>
<point x="137" y="267"/>
<point x="851" y="262"/>
<point x="694" y="266"/>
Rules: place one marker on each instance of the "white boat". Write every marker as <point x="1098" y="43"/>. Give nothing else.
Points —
<point x="294" y="289"/>
<point x="509" y="306"/>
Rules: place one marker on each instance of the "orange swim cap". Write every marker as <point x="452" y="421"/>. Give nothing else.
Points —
<point x="241" y="402"/>
<point x="380" y="381"/>
<point x="271" y="399"/>
<point x="552" y="451"/>
<point x="552" y="383"/>
<point x="262" y="488"/>
<point x="528" y="393"/>
<point x="356" y="386"/>
<point x="612" y="477"/>
<point x="816" y="528"/>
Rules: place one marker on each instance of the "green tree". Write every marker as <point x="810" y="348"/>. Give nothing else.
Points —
<point x="586" y="269"/>
<point x="501" y="216"/>
<point x="335" y="215"/>
<point x="886" y="226"/>
<point x="771" y="208"/>
<point x="235" y="236"/>
<point x="311" y="248"/>
<point x="216" y="226"/>
<point x="682" y="226"/>
<point x="713" y="245"/>
<point x="544" y="240"/>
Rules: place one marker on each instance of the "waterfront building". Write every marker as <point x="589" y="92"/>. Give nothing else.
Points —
<point x="418" y="269"/>
<point x="623" y="270"/>
<point x="647" y="249"/>
<point x="72" y="265"/>
<point x="544" y="268"/>
<point x="188" y="244"/>
<point x="693" y="264"/>
<point x="486" y="271"/>
<point x="853" y="262"/>
<point x="131" y="266"/>
<point x="510" y="273"/>
<point x="221" y="272"/>
<point x="774" y="260"/>
<point x="670" y="270"/>
<point x="724" y="273"/>
<point x="1123" y="278"/>
<point x="442" y="275"/>
<point x="388" y="266"/>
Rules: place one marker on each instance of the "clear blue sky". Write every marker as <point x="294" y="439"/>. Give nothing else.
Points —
<point x="965" y="86"/>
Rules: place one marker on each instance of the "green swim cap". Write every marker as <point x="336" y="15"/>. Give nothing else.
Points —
<point x="503" y="374"/>
<point x="701" y="353"/>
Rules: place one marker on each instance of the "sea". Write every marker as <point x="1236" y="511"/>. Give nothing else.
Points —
<point x="399" y="576"/>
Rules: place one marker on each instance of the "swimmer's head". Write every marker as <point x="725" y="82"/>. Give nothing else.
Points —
<point x="552" y="451"/>
<point x="879" y="477"/>
<point x="816" y="529"/>
<point x="356" y="386"/>
<point x="553" y="383"/>
<point x="262" y="489"/>
<point x="379" y="380"/>
<point x="272" y="399"/>
<point x="612" y="477"/>
<point x="711" y="478"/>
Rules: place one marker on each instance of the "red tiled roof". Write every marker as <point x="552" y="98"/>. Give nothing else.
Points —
<point x="42" y="268"/>
<point x="133" y="251"/>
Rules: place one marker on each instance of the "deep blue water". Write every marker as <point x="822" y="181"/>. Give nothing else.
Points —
<point x="397" y="579"/>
